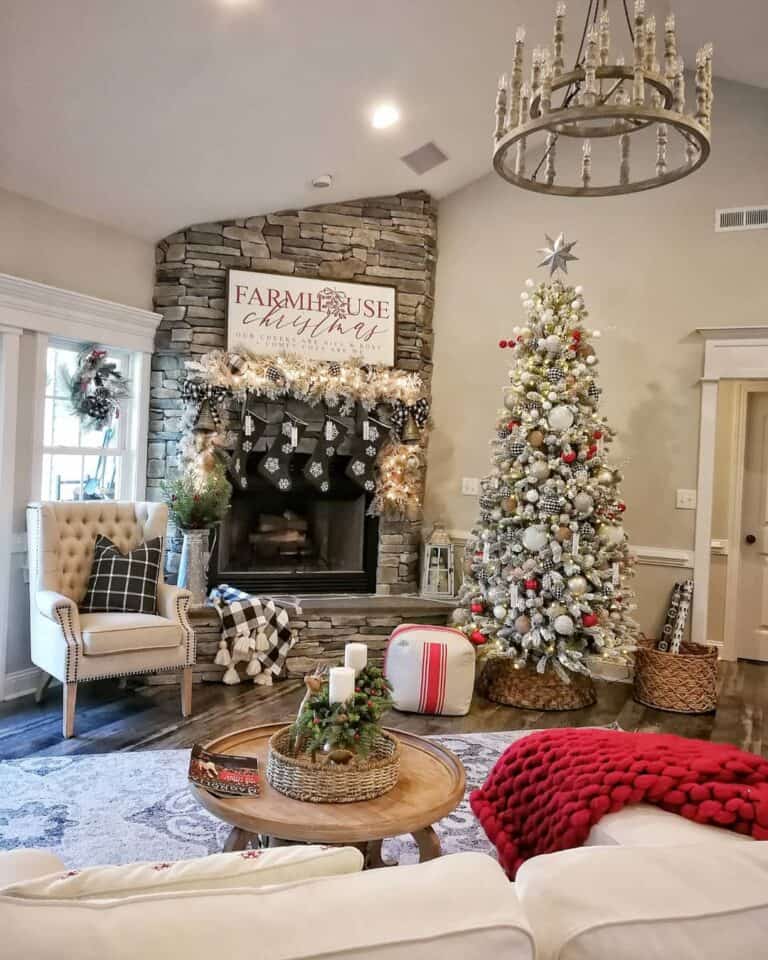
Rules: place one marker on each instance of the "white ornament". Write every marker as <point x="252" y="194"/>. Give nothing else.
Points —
<point x="564" y="625"/>
<point x="583" y="502"/>
<point x="578" y="290"/>
<point x="499" y="611"/>
<point x="553" y="345"/>
<point x="530" y="283"/>
<point x="578" y="585"/>
<point x="534" y="538"/>
<point x="611" y="535"/>
<point x="539" y="470"/>
<point x="560" y="418"/>
<point x="596" y="334"/>
<point x="532" y="496"/>
<point x="591" y="360"/>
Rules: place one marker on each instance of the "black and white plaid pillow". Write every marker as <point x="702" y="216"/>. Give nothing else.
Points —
<point x="123" y="582"/>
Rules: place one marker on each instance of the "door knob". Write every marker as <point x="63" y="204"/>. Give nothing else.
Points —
<point x="750" y="538"/>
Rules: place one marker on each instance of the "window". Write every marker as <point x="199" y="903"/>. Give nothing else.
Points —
<point x="78" y="463"/>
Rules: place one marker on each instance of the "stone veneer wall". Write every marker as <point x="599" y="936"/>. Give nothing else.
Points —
<point x="379" y="240"/>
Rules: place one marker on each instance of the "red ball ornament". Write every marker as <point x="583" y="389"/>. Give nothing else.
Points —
<point x="476" y="608"/>
<point x="621" y="507"/>
<point x="597" y="434"/>
<point x="532" y="584"/>
<point x="512" y="424"/>
<point x="478" y="638"/>
<point x="576" y="334"/>
<point x="589" y="620"/>
<point x="569" y="457"/>
<point x="591" y="451"/>
<point x="502" y="344"/>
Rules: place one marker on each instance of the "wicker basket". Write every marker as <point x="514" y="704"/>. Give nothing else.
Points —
<point x="501" y="682"/>
<point x="302" y="778"/>
<point x="684" y="682"/>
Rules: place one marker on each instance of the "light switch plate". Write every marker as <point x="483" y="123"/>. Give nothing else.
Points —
<point x="685" y="499"/>
<point x="470" y="486"/>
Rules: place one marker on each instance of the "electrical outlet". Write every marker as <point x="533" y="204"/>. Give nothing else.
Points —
<point x="685" y="499"/>
<point x="470" y="486"/>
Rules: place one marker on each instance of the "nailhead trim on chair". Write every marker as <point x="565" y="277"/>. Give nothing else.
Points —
<point x="182" y="610"/>
<point x="73" y="647"/>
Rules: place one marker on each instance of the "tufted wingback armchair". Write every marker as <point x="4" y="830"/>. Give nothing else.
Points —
<point x="74" y="646"/>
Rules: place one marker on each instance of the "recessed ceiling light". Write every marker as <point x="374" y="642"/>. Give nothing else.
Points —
<point x="324" y="180"/>
<point x="385" y="115"/>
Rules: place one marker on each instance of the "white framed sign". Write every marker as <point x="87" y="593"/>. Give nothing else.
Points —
<point x="318" y="319"/>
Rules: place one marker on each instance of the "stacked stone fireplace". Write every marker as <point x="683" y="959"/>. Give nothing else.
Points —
<point x="381" y="240"/>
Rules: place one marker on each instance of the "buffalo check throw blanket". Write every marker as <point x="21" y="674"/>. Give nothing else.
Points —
<point x="258" y="631"/>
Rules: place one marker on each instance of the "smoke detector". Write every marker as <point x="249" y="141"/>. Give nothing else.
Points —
<point x="323" y="181"/>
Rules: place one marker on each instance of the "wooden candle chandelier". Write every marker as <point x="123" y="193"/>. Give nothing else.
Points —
<point x="602" y="100"/>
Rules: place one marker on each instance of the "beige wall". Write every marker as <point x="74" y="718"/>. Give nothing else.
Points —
<point x="41" y="243"/>
<point x="653" y="270"/>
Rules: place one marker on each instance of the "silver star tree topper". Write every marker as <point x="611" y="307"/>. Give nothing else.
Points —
<point x="557" y="253"/>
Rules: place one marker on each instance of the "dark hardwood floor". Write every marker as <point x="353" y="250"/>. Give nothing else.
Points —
<point x="148" y="717"/>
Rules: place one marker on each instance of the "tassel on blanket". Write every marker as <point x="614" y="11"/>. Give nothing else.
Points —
<point x="264" y="678"/>
<point x="244" y="643"/>
<point x="231" y="677"/>
<point x="223" y="658"/>
<point x="262" y="641"/>
<point x="254" y="666"/>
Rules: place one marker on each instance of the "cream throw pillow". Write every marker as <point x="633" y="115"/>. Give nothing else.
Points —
<point x="249" y="868"/>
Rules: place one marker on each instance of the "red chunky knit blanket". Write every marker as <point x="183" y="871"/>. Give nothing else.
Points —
<point x="548" y="789"/>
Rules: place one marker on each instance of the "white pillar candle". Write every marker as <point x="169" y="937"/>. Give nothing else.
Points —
<point x="341" y="684"/>
<point x="356" y="656"/>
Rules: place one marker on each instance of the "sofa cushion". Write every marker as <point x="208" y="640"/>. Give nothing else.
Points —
<point x="697" y="902"/>
<point x="249" y="868"/>
<point x="452" y="908"/>
<point x="16" y="866"/>
<point x="647" y="826"/>
<point x="107" y="633"/>
<point x="124" y="582"/>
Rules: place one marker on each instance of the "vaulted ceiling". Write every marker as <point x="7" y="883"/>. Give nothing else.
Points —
<point x="151" y="114"/>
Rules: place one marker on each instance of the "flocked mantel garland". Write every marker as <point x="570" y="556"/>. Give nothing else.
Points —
<point x="338" y="385"/>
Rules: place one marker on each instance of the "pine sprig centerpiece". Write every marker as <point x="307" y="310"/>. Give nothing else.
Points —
<point x="354" y="725"/>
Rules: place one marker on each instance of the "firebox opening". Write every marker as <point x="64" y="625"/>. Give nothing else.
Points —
<point x="300" y="541"/>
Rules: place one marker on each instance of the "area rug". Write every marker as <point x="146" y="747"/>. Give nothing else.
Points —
<point x="121" y="807"/>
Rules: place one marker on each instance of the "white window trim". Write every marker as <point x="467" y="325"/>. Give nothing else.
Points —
<point x="36" y="308"/>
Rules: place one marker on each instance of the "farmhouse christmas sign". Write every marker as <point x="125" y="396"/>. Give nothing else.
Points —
<point x="317" y="319"/>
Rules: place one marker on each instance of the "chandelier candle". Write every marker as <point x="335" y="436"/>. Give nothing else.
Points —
<point x="356" y="656"/>
<point x="341" y="684"/>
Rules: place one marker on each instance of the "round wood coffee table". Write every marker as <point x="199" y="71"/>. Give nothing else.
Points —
<point x="430" y="786"/>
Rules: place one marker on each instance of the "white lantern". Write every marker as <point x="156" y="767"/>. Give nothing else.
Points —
<point x="438" y="571"/>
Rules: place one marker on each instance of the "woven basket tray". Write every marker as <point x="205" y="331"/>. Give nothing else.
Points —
<point x="302" y="778"/>
<point x="684" y="682"/>
<point x="526" y="688"/>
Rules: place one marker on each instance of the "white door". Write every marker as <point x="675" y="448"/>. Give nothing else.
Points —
<point x="752" y="597"/>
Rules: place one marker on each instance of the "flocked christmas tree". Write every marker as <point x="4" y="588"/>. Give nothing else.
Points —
<point x="547" y="562"/>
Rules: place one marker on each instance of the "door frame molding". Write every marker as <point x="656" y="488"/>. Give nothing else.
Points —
<point x="730" y="353"/>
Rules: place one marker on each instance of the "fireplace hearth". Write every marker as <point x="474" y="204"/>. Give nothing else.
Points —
<point x="301" y="541"/>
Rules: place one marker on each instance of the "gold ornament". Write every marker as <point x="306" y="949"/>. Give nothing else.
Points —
<point x="536" y="438"/>
<point x="563" y="533"/>
<point x="523" y="623"/>
<point x="509" y="504"/>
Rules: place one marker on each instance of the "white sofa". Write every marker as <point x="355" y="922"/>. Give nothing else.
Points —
<point x="649" y="886"/>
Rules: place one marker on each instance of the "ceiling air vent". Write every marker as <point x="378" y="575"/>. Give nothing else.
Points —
<point x="741" y="218"/>
<point x="425" y="158"/>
